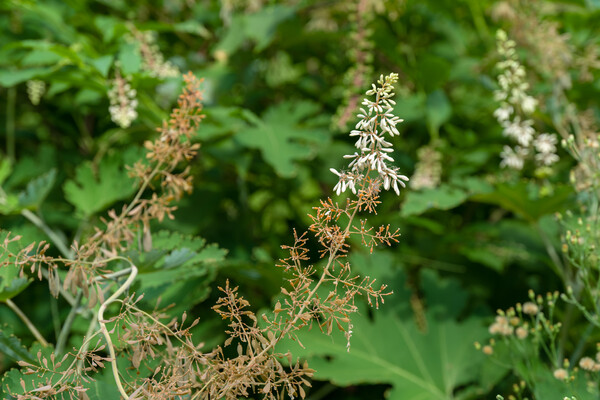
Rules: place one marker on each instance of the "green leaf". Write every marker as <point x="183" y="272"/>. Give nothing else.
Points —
<point x="525" y="202"/>
<point x="36" y="191"/>
<point x="439" y="111"/>
<point x="130" y="58"/>
<point x="5" y="169"/>
<point x="261" y="26"/>
<point x="287" y="133"/>
<point x="179" y="268"/>
<point x="106" y="26"/>
<point x="10" y="78"/>
<point x="390" y="350"/>
<point x="443" y="198"/>
<point x="91" y="191"/>
<point x="11" y="346"/>
<point x="11" y="284"/>
<point x="178" y="257"/>
<point x="102" y="64"/>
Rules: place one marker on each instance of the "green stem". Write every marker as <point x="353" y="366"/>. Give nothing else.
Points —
<point x="10" y="123"/>
<point x="58" y="242"/>
<point x="66" y="328"/>
<point x="557" y="263"/>
<point x="27" y="321"/>
<point x="478" y="19"/>
<point x="55" y="316"/>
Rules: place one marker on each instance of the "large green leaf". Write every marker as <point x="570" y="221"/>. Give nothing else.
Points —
<point x="389" y="350"/>
<point x="92" y="191"/>
<point x="288" y="132"/>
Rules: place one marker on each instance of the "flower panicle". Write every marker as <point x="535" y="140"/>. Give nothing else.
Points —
<point x="515" y="107"/>
<point x="376" y="119"/>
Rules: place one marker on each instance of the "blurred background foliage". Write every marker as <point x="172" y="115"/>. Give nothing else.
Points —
<point x="282" y="83"/>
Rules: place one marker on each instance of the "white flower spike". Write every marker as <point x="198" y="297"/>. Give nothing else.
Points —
<point x="374" y="151"/>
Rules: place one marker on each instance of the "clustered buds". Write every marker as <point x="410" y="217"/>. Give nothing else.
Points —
<point x="515" y="107"/>
<point x="35" y="91"/>
<point x="153" y="61"/>
<point x="376" y="120"/>
<point x="123" y="102"/>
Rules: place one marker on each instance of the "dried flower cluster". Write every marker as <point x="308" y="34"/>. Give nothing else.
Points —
<point x="515" y="108"/>
<point x="123" y="101"/>
<point x="377" y="120"/>
<point x="92" y="265"/>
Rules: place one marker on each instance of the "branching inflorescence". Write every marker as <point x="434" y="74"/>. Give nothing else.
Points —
<point x="322" y="296"/>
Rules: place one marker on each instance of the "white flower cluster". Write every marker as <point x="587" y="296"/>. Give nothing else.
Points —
<point x="515" y="106"/>
<point x="123" y="103"/>
<point x="35" y="91"/>
<point x="376" y="120"/>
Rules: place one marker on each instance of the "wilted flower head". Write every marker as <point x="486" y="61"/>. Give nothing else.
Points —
<point x="587" y="363"/>
<point x="376" y="120"/>
<point x="561" y="374"/>
<point x="530" y="308"/>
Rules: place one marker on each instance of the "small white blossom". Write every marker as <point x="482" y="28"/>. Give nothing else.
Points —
<point x="504" y="112"/>
<point x="545" y="143"/>
<point x="513" y="159"/>
<point x="521" y="131"/>
<point x="528" y="104"/>
<point x="546" y="158"/>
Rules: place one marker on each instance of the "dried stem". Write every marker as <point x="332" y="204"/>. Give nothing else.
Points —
<point x="102" y="323"/>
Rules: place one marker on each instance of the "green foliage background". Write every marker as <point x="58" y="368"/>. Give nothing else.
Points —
<point x="276" y="79"/>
